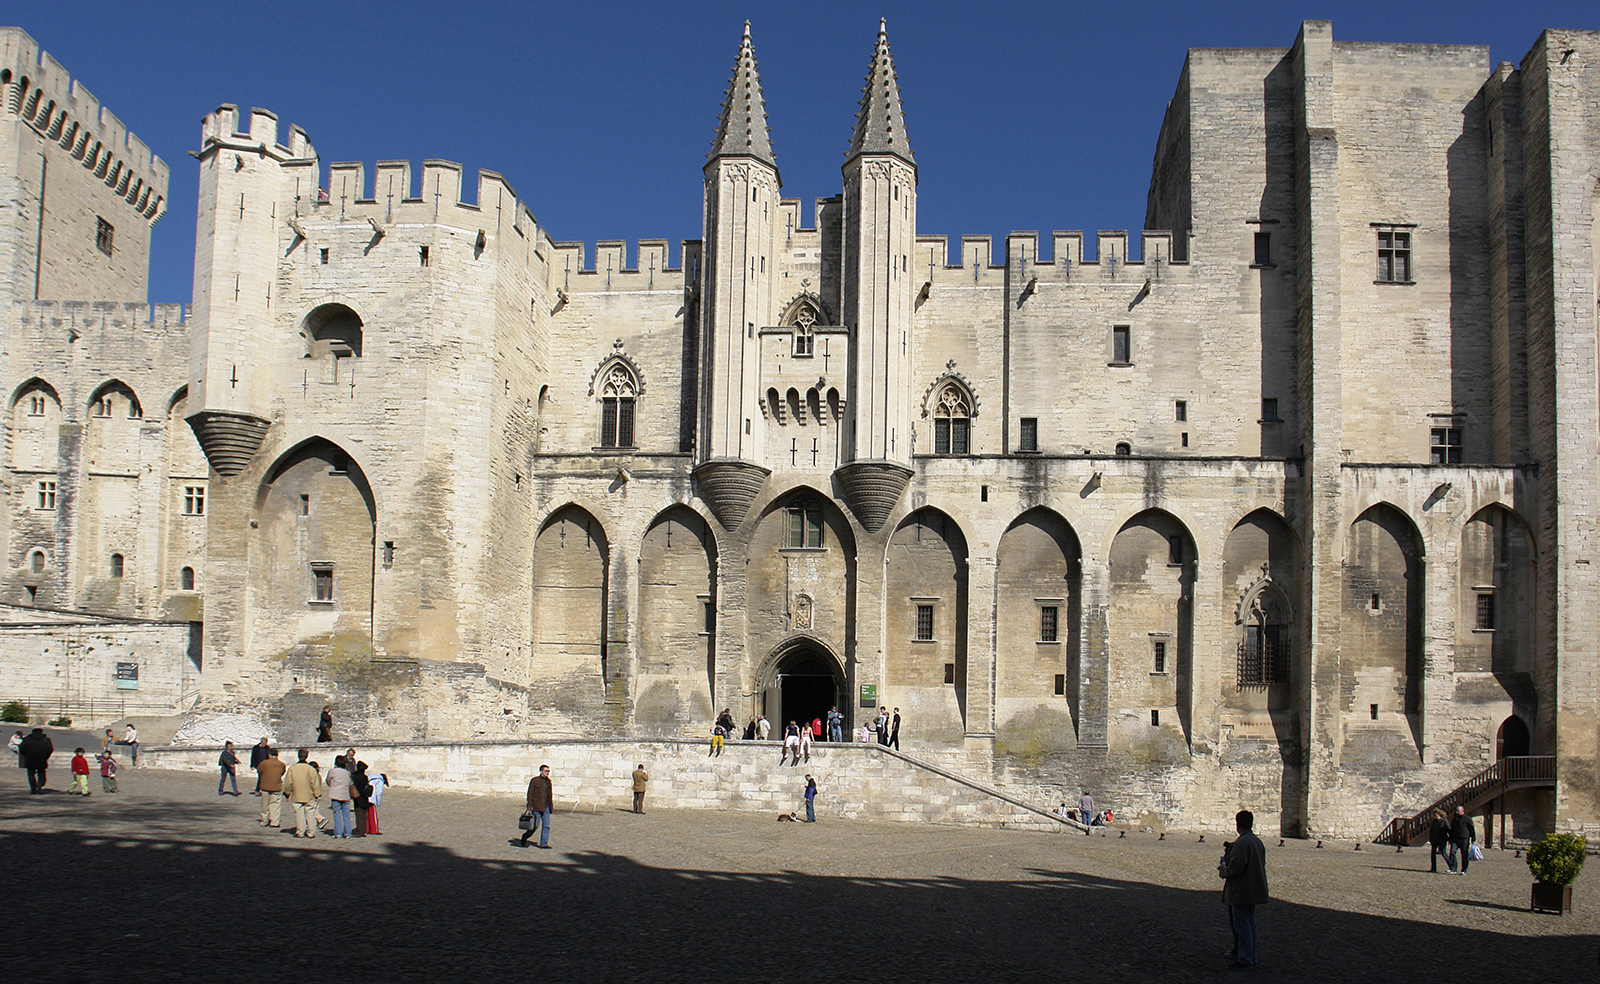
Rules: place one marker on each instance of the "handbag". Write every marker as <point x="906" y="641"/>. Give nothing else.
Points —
<point x="526" y="822"/>
<point x="1475" y="852"/>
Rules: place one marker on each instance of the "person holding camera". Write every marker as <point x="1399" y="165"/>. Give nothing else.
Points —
<point x="1244" y="872"/>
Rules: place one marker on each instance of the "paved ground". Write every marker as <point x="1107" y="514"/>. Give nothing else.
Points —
<point x="166" y="881"/>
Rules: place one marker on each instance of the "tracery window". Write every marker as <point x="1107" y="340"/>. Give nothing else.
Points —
<point x="805" y="340"/>
<point x="1264" y="650"/>
<point x="952" y="421"/>
<point x="618" y="393"/>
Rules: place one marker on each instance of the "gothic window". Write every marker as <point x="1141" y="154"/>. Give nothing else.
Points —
<point x="805" y="340"/>
<point x="618" y="392"/>
<point x="116" y="565"/>
<point x="1264" y="650"/>
<point x="805" y="525"/>
<point x="952" y="421"/>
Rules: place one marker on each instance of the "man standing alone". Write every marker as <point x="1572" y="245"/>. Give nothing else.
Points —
<point x="228" y="762"/>
<point x="36" y="750"/>
<point x="269" y="776"/>
<point x="541" y="800"/>
<point x="1244" y="870"/>
<point x="1086" y="810"/>
<point x="303" y="786"/>
<point x="640" y="777"/>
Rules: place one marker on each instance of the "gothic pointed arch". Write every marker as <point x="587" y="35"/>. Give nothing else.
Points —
<point x="616" y="386"/>
<point x="952" y="403"/>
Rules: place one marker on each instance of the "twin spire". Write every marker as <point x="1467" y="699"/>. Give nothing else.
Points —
<point x="880" y="121"/>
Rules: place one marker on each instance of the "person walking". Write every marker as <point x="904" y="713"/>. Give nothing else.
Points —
<point x="15" y="744"/>
<point x="763" y="727"/>
<point x="835" y="725"/>
<point x="1439" y="842"/>
<point x="339" y="780"/>
<point x="325" y="725"/>
<point x="258" y="754"/>
<point x="36" y="750"/>
<point x="1244" y="873"/>
<point x="640" y="778"/>
<point x="108" y="772"/>
<point x="130" y="737"/>
<point x="269" y="776"/>
<point x="1086" y="811"/>
<point x="228" y="762"/>
<point x="541" y="801"/>
<point x="881" y="725"/>
<point x="894" y="731"/>
<point x="80" y="773"/>
<point x="1462" y="834"/>
<point x="811" y="800"/>
<point x="302" y="786"/>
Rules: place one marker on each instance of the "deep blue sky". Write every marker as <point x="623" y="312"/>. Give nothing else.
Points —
<point x="1021" y="116"/>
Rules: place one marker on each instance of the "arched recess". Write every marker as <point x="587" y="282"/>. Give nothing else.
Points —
<point x="925" y="625"/>
<point x="1150" y="637"/>
<point x="1512" y="739"/>
<point x="111" y="439"/>
<point x="1494" y="631"/>
<point x="1038" y="649"/>
<point x="185" y="536"/>
<point x="311" y="555"/>
<point x="332" y="336"/>
<point x="1381" y="637"/>
<point x="677" y="625"/>
<point x="802" y="576"/>
<point x="568" y="671"/>
<point x="800" y="679"/>
<point x="36" y="419"/>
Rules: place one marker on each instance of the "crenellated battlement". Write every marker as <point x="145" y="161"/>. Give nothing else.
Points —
<point x="610" y="269"/>
<point x="260" y="133"/>
<point x="1066" y="249"/>
<point x="35" y="88"/>
<point x="160" y="316"/>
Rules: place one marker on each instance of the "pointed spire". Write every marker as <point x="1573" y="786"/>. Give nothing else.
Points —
<point x="742" y="131"/>
<point x="881" y="123"/>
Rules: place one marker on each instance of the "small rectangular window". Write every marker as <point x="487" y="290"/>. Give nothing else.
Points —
<point x="1061" y="684"/>
<point x="924" y="623"/>
<point x="949" y="673"/>
<point x="1175" y="551"/>
<point x="47" y="495"/>
<point x="422" y="255"/>
<point x="1445" y="445"/>
<point x="1158" y="653"/>
<point x="305" y="505"/>
<point x="1394" y="255"/>
<point x="1181" y="411"/>
<point x="1263" y="249"/>
<point x="194" y="500"/>
<point x="116" y="565"/>
<point x="983" y="493"/>
<point x="322" y="582"/>
<point x="1029" y="440"/>
<point x="1183" y="439"/>
<point x="388" y="553"/>
<point x="1374" y="712"/>
<point x="323" y="254"/>
<point x="1121" y="345"/>
<point x="1377" y="602"/>
<point x="1269" y="410"/>
<point x="104" y="236"/>
<point x="1155" y="719"/>
<point x="1049" y="616"/>
<point x="1485" y="611"/>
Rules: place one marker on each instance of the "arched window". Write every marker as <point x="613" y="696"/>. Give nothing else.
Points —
<point x="952" y="421"/>
<point x="116" y="565"/>
<point x="36" y="562"/>
<point x="1264" y="650"/>
<point x="618" y="391"/>
<point x="333" y="334"/>
<point x="186" y="579"/>
<point x="1124" y="449"/>
<point x="805" y="341"/>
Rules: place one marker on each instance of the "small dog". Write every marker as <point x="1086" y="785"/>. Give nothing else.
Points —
<point x="788" y="818"/>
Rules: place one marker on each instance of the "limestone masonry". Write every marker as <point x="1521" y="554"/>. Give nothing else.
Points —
<point x="1296" y="511"/>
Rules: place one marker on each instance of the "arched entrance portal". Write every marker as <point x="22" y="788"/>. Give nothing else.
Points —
<point x="1513" y="739"/>
<point x="806" y="684"/>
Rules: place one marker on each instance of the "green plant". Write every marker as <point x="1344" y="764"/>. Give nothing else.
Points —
<point x="1557" y="859"/>
<point x="61" y="722"/>
<point x="14" y="712"/>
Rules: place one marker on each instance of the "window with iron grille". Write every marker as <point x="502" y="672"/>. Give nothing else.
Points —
<point x="1029" y="438"/>
<point x="1485" y="611"/>
<point x="924" y="623"/>
<point x="1263" y="656"/>
<point x="952" y="421"/>
<point x="104" y="236"/>
<point x="1048" y="621"/>
<point x="1158" y="656"/>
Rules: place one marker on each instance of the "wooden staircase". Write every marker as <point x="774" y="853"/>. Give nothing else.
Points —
<point x="1518" y="772"/>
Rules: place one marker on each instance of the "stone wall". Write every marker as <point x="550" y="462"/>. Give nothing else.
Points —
<point x="58" y="668"/>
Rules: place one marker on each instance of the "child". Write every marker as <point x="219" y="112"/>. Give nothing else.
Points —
<point x="80" y="774"/>
<point x="108" y="772"/>
<point x="718" y="732"/>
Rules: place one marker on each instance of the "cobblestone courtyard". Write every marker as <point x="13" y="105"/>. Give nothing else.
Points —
<point x="166" y="881"/>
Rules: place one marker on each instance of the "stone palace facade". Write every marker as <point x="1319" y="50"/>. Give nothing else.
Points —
<point x="1297" y="510"/>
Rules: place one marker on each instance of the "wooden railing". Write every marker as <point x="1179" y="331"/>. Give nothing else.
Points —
<point x="1509" y="773"/>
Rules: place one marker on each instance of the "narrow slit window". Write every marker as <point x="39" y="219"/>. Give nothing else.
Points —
<point x="116" y="565"/>
<point x="1061" y="684"/>
<point x="1121" y="345"/>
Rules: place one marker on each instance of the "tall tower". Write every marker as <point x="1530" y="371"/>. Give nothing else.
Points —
<point x="741" y="214"/>
<point x="880" y="223"/>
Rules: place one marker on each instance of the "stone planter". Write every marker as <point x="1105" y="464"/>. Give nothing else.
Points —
<point x="1550" y="897"/>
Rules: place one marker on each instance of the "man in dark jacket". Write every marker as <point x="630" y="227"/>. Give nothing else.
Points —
<point x="36" y="750"/>
<point x="541" y="799"/>
<point x="258" y="754"/>
<point x="1462" y="834"/>
<point x="1438" y="842"/>
<point x="1244" y="868"/>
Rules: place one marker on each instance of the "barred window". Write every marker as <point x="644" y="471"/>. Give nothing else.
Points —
<point x="322" y="582"/>
<point x="1485" y="618"/>
<point x="1029" y="440"/>
<point x="617" y="395"/>
<point x="924" y="623"/>
<point x="1158" y="656"/>
<point x="952" y="421"/>
<point x="1049" y="616"/>
<point x="1263" y="656"/>
<point x="104" y="236"/>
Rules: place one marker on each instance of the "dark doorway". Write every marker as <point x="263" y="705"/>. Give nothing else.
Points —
<point x="1512" y="740"/>
<point x="808" y="685"/>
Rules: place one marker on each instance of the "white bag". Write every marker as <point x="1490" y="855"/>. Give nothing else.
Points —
<point x="1475" y="852"/>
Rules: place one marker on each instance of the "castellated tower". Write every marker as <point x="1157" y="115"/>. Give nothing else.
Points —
<point x="741" y="216"/>
<point x="880" y="223"/>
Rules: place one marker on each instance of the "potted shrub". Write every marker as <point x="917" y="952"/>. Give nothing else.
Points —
<point x="1555" y="863"/>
